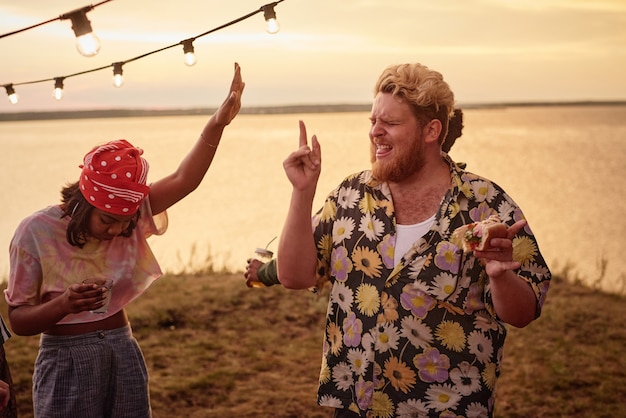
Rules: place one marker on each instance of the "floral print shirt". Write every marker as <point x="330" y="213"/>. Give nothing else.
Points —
<point x="44" y="264"/>
<point x="420" y="338"/>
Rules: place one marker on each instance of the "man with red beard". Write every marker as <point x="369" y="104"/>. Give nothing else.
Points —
<point x="263" y="274"/>
<point x="415" y="327"/>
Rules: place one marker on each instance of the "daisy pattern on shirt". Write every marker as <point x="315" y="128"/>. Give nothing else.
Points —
<point x="341" y="295"/>
<point x="386" y="337"/>
<point x="371" y="227"/>
<point x="348" y="197"/>
<point x="342" y="230"/>
<point x="430" y="341"/>
<point x="358" y="361"/>
<point x="419" y="334"/>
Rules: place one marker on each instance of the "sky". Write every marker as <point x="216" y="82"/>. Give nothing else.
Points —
<point x="326" y="52"/>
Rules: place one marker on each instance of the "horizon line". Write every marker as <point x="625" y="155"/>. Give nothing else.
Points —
<point x="260" y="110"/>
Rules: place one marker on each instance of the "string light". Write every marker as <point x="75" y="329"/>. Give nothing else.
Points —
<point x="190" y="56"/>
<point x="11" y="93"/>
<point x="118" y="80"/>
<point x="58" y="88"/>
<point x="87" y="43"/>
<point x="271" y="24"/>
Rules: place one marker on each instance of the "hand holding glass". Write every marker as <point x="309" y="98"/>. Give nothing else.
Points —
<point x="108" y="285"/>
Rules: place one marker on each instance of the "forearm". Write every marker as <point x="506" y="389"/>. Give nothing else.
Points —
<point x="197" y="162"/>
<point x="513" y="299"/>
<point x="297" y="255"/>
<point x="35" y="319"/>
<point x="193" y="168"/>
<point x="190" y="172"/>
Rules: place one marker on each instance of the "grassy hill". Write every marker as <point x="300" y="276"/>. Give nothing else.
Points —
<point x="215" y="348"/>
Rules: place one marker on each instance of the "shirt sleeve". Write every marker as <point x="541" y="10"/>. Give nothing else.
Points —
<point x="267" y="273"/>
<point x="25" y="278"/>
<point x="152" y="224"/>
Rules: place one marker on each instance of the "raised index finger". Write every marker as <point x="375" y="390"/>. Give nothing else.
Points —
<point x="515" y="228"/>
<point x="303" y="137"/>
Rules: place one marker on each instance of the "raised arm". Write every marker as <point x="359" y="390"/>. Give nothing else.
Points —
<point x="297" y="255"/>
<point x="172" y="188"/>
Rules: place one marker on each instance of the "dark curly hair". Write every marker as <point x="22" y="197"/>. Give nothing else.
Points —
<point x="455" y="130"/>
<point x="75" y="206"/>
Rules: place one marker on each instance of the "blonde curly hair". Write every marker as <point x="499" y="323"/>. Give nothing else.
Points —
<point x="423" y="89"/>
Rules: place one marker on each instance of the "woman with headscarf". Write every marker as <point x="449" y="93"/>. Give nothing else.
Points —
<point x="89" y="364"/>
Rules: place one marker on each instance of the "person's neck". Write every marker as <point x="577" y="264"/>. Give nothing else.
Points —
<point x="418" y="197"/>
<point x="434" y="172"/>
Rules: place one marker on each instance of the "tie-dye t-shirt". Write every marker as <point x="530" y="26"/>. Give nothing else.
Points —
<point x="44" y="264"/>
<point x="420" y="338"/>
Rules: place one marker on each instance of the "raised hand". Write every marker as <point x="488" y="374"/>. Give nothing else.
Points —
<point x="231" y="105"/>
<point x="304" y="165"/>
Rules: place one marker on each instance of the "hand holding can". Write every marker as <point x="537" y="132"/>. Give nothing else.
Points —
<point x="263" y="255"/>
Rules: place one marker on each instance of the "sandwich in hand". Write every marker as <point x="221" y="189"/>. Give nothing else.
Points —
<point x="476" y="235"/>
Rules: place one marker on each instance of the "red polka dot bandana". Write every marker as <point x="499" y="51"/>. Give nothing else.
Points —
<point x="114" y="177"/>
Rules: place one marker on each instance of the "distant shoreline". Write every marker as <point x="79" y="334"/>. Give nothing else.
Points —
<point x="258" y="110"/>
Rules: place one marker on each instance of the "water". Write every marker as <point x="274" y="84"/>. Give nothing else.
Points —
<point x="563" y="165"/>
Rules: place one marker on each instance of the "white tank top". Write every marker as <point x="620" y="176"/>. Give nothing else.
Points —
<point x="406" y="235"/>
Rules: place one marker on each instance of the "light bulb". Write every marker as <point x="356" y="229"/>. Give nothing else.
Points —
<point x="11" y="93"/>
<point x="271" y="24"/>
<point x="58" y="88"/>
<point x="190" y="56"/>
<point x="118" y="78"/>
<point x="190" y="59"/>
<point x="87" y="42"/>
<point x="88" y="45"/>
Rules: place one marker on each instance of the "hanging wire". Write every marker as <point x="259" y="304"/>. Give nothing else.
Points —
<point x="119" y="64"/>
<point x="232" y="22"/>
<point x="62" y="17"/>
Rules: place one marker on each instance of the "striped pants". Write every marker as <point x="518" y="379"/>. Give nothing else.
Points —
<point x="10" y="411"/>
<point x="96" y="375"/>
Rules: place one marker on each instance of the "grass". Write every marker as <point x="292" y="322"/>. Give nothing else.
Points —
<point x="215" y="348"/>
